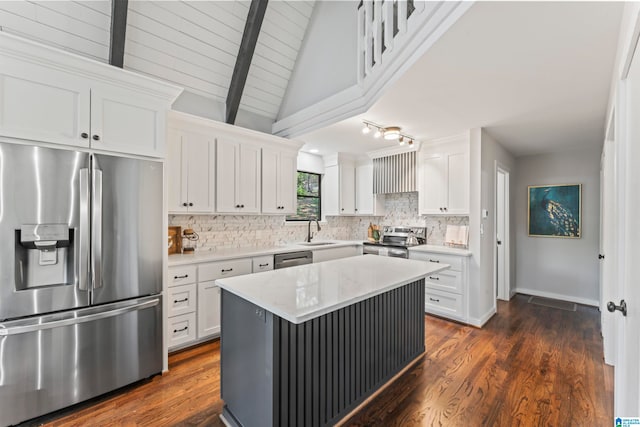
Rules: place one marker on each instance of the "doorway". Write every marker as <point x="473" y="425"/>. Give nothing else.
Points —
<point x="502" y="272"/>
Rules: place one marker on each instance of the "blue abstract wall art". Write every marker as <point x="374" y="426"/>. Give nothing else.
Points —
<point x="555" y="210"/>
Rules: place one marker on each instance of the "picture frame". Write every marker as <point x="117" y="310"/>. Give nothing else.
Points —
<point x="555" y="211"/>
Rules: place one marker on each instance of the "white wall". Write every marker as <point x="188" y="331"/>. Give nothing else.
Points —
<point x="483" y="155"/>
<point x="493" y="152"/>
<point x="327" y="60"/>
<point x="555" y="267"/>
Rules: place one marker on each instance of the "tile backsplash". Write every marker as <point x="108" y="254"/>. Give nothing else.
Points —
<point x="246" y="231"/>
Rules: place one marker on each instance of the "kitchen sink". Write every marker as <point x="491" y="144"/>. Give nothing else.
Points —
<point x="316" y="243"/>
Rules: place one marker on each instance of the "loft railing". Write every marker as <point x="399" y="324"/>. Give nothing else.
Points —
<point x="382" y="27"/>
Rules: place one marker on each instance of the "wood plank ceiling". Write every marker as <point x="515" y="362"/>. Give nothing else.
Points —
<point x="193" y="44"/>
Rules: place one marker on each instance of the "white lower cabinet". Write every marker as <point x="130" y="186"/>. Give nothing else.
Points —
<point x="446" y="292"/>
<point x="262" y="263"/>
<point x="181" y="330"/>
<point x="194" y="299"/>
<point x="208" y="309"/>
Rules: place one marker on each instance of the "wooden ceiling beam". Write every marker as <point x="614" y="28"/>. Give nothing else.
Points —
<point x="119" y="10"/>
<point x="245" y="55"/>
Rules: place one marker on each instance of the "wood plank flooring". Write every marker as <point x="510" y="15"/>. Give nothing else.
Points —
<point x="529" y="366"/>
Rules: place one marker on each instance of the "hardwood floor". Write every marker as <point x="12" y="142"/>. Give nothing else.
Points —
<point x="529" y="366"/>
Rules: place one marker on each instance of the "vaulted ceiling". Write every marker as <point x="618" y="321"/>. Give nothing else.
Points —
<point x="193" y="44"/>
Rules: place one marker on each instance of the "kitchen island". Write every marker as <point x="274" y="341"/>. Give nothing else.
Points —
<point x="308" y="344"/>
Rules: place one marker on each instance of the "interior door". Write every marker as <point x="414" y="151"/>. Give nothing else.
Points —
<point x="40" y="186"/>
<point x="500" y="235"/>
<point x="128" y="239"/>
<point x="627" y="372"/>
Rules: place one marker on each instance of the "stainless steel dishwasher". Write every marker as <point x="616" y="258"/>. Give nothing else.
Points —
<point x="292" y="259"/>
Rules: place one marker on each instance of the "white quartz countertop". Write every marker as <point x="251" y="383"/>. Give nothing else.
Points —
<point x="231" y="253"/>
<point x="301" y="293"/>
<point x="440" y="250"/>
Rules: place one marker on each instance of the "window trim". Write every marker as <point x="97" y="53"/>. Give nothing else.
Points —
<point x="319" y="197"/>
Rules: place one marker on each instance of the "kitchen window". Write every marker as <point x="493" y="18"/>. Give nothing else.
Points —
<point x="309" y="197"/>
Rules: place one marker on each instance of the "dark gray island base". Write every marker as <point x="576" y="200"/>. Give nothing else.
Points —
<point x="278" y="373"/>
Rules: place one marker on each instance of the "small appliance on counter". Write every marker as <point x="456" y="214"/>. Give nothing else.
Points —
<point x="395" y="241"/>
<point x="189" y="237"/>
<point x="174" y="244"/>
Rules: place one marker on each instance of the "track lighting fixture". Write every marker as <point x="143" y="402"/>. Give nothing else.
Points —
<point x="389" y="133"/>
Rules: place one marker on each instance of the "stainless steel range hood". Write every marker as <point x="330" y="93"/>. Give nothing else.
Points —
<point x="395" y="174"/>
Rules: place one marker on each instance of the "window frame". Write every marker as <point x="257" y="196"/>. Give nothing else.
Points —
<point x="319" y="197"/>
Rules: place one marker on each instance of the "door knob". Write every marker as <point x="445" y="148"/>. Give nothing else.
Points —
<point x="622" y="307"/>
<point x="600" y="256"/>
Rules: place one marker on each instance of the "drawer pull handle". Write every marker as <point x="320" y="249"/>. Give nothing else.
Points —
<point x="175" y="301"/>
<point x="434" y="278"/>
<point x="180" y="330"/>
<point x="227" y="270"/>
<point x="434" y="260"/>
<point x="433" y="299"/>
<point x="263" y="265"/>
<point x="181" y="277"/>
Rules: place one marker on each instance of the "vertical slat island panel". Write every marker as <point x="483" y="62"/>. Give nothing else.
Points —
<point x="278" y="373"/>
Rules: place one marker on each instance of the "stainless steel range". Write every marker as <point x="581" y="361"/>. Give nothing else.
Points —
<point x="395" y="241"/>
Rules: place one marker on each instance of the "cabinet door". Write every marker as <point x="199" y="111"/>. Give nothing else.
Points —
<point x="288" y="176"/>
<point x="227" y="159"/>
<point x="176" y="173"/>
<point x="433" y="184"/>
<point x="42" y="104"/>
<point x="458" y="179"/>
<point x="347" y="190"/>
<point x="198" y="150"/>
<point x="208" y="309"/>
<point x="249" y="178"/>
<point x="364" y="190"/>
<point x="270" y="181"/>
<point x="127" y="122"/>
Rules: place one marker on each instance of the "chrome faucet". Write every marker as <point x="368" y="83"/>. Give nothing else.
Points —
<point x="309" y="235"/>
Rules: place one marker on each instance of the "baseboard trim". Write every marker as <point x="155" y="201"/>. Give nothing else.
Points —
<point x="480" y="322"/>
<point x="569" y="298"/>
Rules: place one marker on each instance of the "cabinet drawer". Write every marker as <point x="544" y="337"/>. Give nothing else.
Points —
<point x="444" y="304"/>
<point x="219" y="269"/>
<point x="447" y="280"/>
<point x="182" y="275"/>
<point x="182" y="299"/>
<point x="181" y="329"/>
<point x="454" y="261"/>
<point x="263" y="263"/>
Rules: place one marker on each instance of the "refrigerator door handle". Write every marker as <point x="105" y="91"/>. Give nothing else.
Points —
<point x="83" y="238"/>
<point x="96" y="229"/>
<point x="36" y="324"/>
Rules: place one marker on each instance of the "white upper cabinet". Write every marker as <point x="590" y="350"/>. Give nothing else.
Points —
<point x="41" y="104"/>
<point x="443" y="183"/>
<point x="190" y="171"/>
<point x="348" y="188"/>
<point x="127" y="122"/>
<point x="279" y="180"/>
<point x="238" y="176"/>
<point x="51" y="96"/>
<point x="367" y="203"/>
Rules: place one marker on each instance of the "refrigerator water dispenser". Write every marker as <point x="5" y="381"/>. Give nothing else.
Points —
<point x="44" y="255"/>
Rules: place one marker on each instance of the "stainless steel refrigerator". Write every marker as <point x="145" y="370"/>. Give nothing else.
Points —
<point x="81" y="246"/>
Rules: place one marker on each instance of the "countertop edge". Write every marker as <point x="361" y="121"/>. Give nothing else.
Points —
<point x="202" y="257"/>
<point x="435" y="268"/>
<point x="445" y="250"/>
